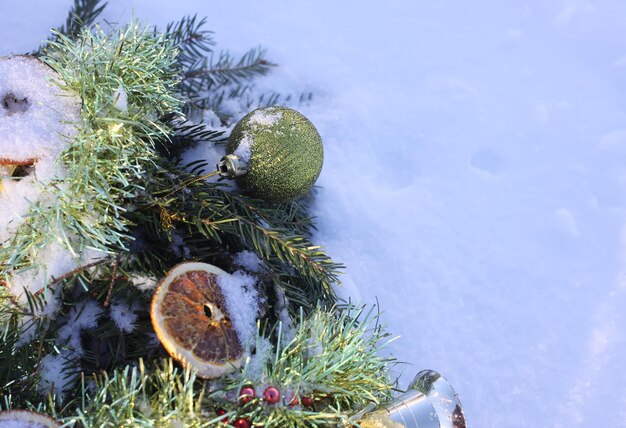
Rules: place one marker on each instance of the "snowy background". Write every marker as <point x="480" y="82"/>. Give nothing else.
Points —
<point x="474" y="183"/>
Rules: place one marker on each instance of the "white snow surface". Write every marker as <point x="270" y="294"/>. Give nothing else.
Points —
<point x="242" y="304"/>
<point x="266" y="117"/>
<point x="18" y="423"/>
<point x="34" y="129"/>
<point x="123" y="316"/>
<point x="249" y="261"/>
<point x="53" y="376"/>
<point x="21" y="424"/>
<point x="474" y="180"/>
<point x="120" y="99"/>
<point x="260" y="119"/>
<point x="52" y="261"/>
<point x="244" y="149"/>
<point x="144" y="283"/>
<point x="37" y="120"/>
<point x="82" y="316"/>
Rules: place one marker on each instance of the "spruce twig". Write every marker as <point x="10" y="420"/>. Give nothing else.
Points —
<point x="107" y="160"/>
<point x="225" y="70"/>
<point x="332" y="358"/>
<point x="207" y="210"/>
<point x="82" y="14"/>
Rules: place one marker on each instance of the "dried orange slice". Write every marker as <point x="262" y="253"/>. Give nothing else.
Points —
<point x="26" y="419"/>
<point x="191" y="321"/>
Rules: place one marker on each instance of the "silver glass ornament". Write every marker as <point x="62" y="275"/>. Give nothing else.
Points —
<point x="429" y="402"/>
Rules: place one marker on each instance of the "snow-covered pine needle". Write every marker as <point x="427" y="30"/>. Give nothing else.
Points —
<point x="107" y="159"/>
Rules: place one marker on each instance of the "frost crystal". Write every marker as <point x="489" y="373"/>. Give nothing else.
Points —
<point x="266" y="117"/>
<point x="144" y="283"/>
<point x="54" y="377"/>
<point x="123" y="315"/>
<point x="84" y="315"/>
<point x="249" y="261"/>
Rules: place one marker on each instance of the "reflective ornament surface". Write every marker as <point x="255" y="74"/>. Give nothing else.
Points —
<point x="274" y="153"/>
<point x="429" y="402"/>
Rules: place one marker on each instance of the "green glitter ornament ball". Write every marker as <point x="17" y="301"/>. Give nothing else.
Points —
<point x="275" y="153"/>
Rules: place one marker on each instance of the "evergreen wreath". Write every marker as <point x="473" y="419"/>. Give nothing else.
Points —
<point x="123" y="208"/>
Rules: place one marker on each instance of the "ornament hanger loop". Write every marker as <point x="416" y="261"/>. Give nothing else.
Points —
<point x="231" y="166"/>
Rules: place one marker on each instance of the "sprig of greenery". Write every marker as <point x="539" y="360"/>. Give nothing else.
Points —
<point x="211" y="78"/>
<point x="193" y="41"/>
<point x="20" y="359"/>
<point x="133" y="397"/>
<point x="82" y="14"/>
<point x="210" y="218"/>
<point x="333" y="359"/>
<point x="107" y="160"/>
<point x="225" y="69"/>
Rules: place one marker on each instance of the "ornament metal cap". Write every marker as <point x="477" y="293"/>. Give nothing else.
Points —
<point x="429" y="402"/>
<point x="231" y="166"/>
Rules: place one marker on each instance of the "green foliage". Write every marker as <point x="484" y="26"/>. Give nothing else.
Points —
<point x="211" y="78"/>
<point x="335" y="354"/>
<point x="128" y="194"/>
<point x="109" y="157"/>
<point x="82" y="14"/>
<point x="332" y="358"/>
<point x="19" y="359"/>
<point x="106" y="161"/>
<point x="193" y="41"/>
<point x="134" y="397"/>
<point x="210" y="219"/>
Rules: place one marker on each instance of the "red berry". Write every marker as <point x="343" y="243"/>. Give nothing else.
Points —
<point x="221" y="412"/>
<point x="246" y="394"/>
<point x="271" y="395"/>
<point x="294" y="401"/>
<point x="241" y="423"/>
<point x="307" y="401"/>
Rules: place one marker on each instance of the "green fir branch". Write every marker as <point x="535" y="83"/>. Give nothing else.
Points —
<point x="107" y="160"/>
<point x="216" y="218"/>
<point x="333" y="359"/>
<point x="210" y="79"/>
<point x="226" y="70"/>
<point x="245" y="95"/>
<point x="82" y="14"/>
<point x="193" y="41"/>
<point x="20" y="359"/>
<point x="186" y="134"/>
